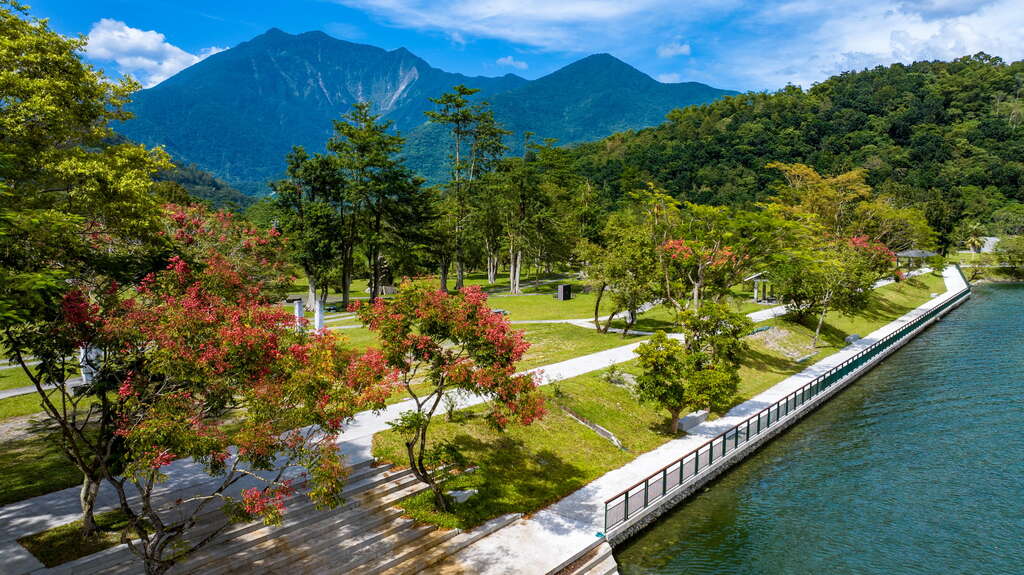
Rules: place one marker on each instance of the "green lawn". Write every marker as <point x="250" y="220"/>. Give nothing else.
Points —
<point x="527" y="468"/>
<point x="767" y="364"/>
<point x="31" y="467"/>
<point x="543" y="307"/>
<point x="13" y="377"/>
<point x="65" y="543"/>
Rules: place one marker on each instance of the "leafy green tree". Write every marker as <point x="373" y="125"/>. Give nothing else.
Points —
<point x="715" y="247"/>
<point x="1009" y="220"/>
<point x="1010" y="252"/>
<point x="713" y="340"/>
<point x="834" y="274"/>
<point x="387" y="197"/>
<point x="318" y="222"/>
<point x="630" y="267"/>
<point x="476" y="144"/>
<point x="77" y="209"/>
<point x="663" y="380"/>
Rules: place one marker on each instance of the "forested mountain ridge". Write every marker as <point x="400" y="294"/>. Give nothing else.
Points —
<point x="943" y="136"/>
<point x="238" y="112"/>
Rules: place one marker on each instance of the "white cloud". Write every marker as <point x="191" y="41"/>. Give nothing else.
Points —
<point x="670" y="78"/>
<point x="144" y="54"/>
<point x="673" y="49"/>
<point x="512" y="62"/>
<point x="582" y="25"/>
<point x="744" y="44"/>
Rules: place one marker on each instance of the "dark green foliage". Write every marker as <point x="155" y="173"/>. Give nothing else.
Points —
<point x="943" y="136"/>
<point x="204" y="186"/>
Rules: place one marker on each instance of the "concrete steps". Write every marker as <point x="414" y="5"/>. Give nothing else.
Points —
<point x="599" y="561"/>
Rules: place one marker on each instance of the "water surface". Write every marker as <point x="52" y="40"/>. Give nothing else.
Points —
<point x="916" y="468"/>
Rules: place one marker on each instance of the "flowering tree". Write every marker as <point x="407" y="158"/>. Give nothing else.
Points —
<point x="836" y="274"/>
<point x="193" y="361"/>
<point x="715" y="246"/>
<point x="212" y="374"/>
<point x="448" y="343"/>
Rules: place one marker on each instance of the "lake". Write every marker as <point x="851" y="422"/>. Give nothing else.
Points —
<point x="918" y="467"/>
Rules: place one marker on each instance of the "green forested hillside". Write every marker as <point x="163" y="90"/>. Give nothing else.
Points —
<point x="204" y="186"/>
<point x="946" y="136"/>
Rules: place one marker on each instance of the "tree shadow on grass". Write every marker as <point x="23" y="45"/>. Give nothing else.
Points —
<point x="510" y="477"/>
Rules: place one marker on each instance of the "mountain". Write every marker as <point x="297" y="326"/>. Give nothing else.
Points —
<point x="238" y="112"/>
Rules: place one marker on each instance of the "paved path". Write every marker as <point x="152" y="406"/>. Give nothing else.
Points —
<point x="61" y="507"/>
<point x="554" y="535"/>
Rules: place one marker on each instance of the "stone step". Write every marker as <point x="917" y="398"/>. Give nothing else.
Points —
<point x="450" y="547"/>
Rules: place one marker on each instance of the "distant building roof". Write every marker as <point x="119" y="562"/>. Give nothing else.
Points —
<point x="915" y="254"/>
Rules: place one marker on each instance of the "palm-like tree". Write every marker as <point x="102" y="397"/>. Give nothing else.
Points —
<point x="973" y="235"/>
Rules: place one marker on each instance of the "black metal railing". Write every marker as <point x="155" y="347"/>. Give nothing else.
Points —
<point x="641" y="495"/>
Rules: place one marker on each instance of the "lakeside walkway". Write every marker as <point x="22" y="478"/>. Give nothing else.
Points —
<point x="58" y="508"/>
<point x="554" y="535"/>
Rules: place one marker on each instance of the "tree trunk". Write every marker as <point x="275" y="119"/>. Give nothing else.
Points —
<point x="608" y="323"/>
<point x="444" y="274"/>
<point x="631" y="319"/>
<point x="597" y="307"/>
<point x="460" y="274"/>
<point x="514" y="269"/>
<point x="346" y="278"/>
<point x="311" y="294"/>
<point x="673" y="426"/>
<point x="87" y="497"/>
<point x="821" y="320"/>
<point x="492" y="268"/>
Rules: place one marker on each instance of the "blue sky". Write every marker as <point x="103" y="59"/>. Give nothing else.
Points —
<point x="736" y="44"/>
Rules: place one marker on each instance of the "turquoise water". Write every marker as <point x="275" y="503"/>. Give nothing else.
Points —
<point x="916" y="468"/>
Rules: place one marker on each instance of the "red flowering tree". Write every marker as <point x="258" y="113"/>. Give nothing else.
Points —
<point x="715" y="247"/>
<point x="213" y="374"/>
<point x="834" y="274"/>
<point x="194" y="361"/>
<point x="450" y="343"/>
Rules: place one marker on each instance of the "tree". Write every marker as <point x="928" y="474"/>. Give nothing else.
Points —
<point x="663" y="381"/>
<point x="382" y="190"/>
<point x="1010" y="252"/>
<point x="630" y="266"/>
<point x="77" y="209"/>
<point x="972" y="236"/>
<point x="834" y="274"/>
<point x="476" y="144"/>
<point x="317" y="221"/>
<point x="451" y="343"/>
<point x="715" y="247"/>
<point x="199" y="364"/>
<point x="712" y="336"/>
